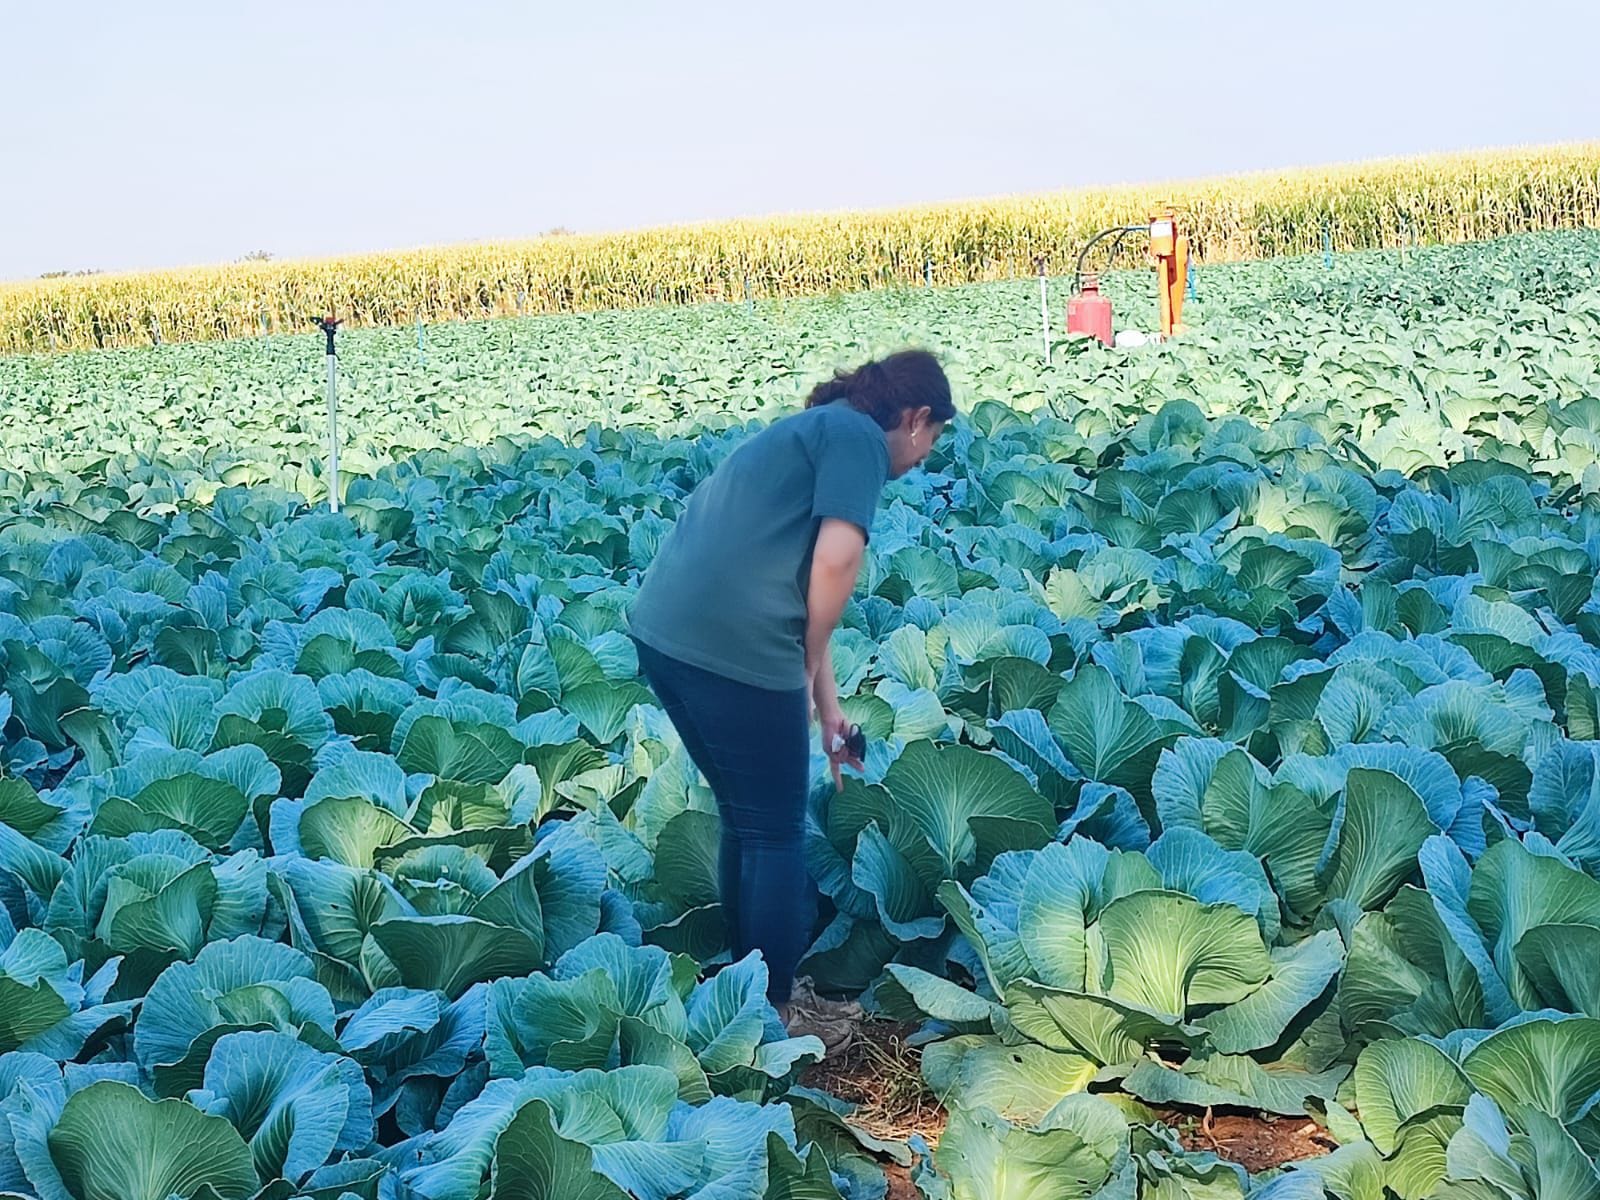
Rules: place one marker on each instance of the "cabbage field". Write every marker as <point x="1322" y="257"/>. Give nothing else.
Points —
<point x="1234" y="719"/>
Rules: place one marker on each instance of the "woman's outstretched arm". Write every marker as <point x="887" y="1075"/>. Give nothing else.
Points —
<point x="835" y="565"/>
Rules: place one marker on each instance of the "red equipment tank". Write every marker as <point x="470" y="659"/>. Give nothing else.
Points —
<point x="1090" y="312"/>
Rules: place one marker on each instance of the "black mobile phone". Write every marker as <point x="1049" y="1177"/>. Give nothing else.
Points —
<point x="856" y="743"/>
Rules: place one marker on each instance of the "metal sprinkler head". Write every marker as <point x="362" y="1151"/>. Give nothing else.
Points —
<point x="329" y="326"/>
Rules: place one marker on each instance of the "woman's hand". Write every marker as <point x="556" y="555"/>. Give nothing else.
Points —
<point x="835" y="564"/>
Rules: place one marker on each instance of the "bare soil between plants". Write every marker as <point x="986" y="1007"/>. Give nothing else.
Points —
<point x="882" y="1076"/>
<point x="1255" y="1141"/>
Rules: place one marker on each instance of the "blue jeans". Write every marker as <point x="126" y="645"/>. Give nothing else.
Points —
<point x="754" y="748"/>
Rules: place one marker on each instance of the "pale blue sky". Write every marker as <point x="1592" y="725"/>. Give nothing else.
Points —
<point x="176" y="131"/>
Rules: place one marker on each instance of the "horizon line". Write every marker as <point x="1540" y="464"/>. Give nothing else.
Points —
<point x="777" y="218"/>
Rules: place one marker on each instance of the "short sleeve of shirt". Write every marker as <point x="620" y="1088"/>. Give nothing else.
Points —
<point x="852" y="465"/>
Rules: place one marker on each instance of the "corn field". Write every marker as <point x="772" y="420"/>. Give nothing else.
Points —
<point x="1433" y="199"/>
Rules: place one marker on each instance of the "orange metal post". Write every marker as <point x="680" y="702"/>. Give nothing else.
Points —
<point x="1170" y="250"/>
<point x="1180" y="283"/>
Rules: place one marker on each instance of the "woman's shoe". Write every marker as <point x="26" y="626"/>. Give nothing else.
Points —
<point x="804" y="998"/>
<point x="836" y="1036"/>
<point x="834" y="1022"/>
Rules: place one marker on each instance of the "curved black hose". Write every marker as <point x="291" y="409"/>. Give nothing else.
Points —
<point x="1120" y="231"/>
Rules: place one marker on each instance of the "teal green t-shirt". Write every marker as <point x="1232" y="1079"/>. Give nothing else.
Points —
<point x="727" y="589"/>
